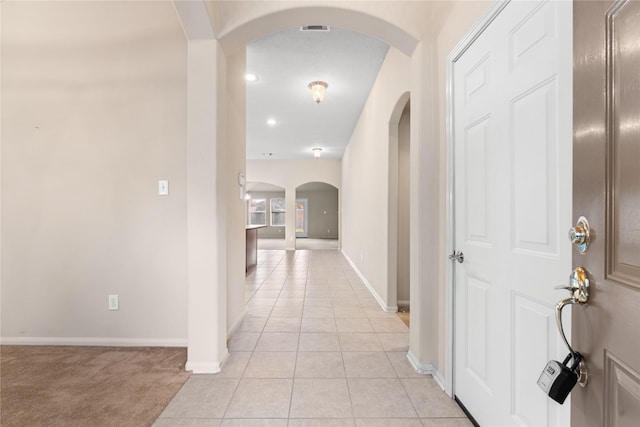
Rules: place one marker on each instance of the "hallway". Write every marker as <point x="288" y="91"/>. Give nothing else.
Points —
<point x="314" y="349"/>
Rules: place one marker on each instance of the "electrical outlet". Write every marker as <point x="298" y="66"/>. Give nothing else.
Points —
<point x="114" y="304"/>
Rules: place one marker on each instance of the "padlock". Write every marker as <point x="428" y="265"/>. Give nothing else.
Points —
<point x="558" y="379"/>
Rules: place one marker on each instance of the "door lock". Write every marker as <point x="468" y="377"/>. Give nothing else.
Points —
<point x="558" y="379"/>
<point x="580" y="235"/>
<point x="457" y="256"/>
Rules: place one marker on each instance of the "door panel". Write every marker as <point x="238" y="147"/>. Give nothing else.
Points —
<point x="533" y="340"/>
<point x="535" y="180"/>
<point x="607" y="193"/>
<point x="476" y="329"/>
<point x="624" y="113"/>
<point x="477" y="170"/>
<point x="512" y="151"/>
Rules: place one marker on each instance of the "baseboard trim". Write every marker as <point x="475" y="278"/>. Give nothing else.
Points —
<point x="203" y="367"/>
<point x="421" y="368"/>
<point x="234" y="328"/>
<point x="403" y="302"/>
<point x="206" y="367"/>
<point x="427" y="369"/>
<point x="95" y="342"/>
<point x="378" y="298"/>
<point x="440" y="380"/>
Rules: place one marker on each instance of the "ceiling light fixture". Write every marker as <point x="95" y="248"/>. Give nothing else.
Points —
<point x="316" y="152"/>
<point x="271" y="122"/>
<point x="251" y="77"/>
<point x="317" y="90"/>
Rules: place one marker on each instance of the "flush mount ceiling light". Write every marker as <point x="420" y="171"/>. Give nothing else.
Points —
<point x="317" y="90"/>
<point x="251" y="77"/>
<point x="271" y="122"/>
<point x="316" y="152"/>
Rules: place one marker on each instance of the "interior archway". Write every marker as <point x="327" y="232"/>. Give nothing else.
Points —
<point x="398" y="205"/>
<point x="236" y="31"/>
<point x="317" y="216"/>
<point x="263" y="22"/>
<point x="237" y="39"/>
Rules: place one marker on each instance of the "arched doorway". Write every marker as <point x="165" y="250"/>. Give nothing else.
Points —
<point x="399" y="207"/>
<point x="210" y="57"/>
<point x="317" y="216"/>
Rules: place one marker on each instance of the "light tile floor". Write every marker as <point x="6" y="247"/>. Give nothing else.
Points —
<point x="314" y="349"/>
<point x="301" y="243"/>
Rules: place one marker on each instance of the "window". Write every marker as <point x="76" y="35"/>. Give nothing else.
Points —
<point x="277" y="212"/>
<point x="257" y="212"/>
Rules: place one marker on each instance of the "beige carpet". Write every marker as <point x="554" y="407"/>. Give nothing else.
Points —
<point x="87" y="386"/>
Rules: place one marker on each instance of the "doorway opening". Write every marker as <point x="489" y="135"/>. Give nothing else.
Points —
<point x="398" y="228"/>
<point x="266" y="208"/>
<point x="404" y="250"/>
<point x="317" y="216"/>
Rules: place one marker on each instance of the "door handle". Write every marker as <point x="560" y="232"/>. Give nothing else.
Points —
<point x="457" y="256"/>
<point x="579" y="287"/>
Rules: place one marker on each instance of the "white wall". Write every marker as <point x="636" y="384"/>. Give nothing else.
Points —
<point x="294" y="173"/>
<point x="365" y="177"/>
<point x="239" y="22"/>
<point x="94" y="114"/>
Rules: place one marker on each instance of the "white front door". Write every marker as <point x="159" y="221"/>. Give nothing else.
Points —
<point x="512" y="133"/>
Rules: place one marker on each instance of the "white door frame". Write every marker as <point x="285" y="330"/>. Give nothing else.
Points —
<point x="485" y="20"/>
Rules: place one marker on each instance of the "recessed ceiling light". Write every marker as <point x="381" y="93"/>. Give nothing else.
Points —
<point x="251" y="77"/>
<point x="271" y="122"/>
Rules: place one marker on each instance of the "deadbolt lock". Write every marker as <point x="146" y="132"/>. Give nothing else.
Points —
<point x="580" y="235"/>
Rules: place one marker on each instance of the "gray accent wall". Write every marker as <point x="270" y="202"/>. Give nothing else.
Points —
<point x="323" y="213"/>
<point x="322" y="210"/>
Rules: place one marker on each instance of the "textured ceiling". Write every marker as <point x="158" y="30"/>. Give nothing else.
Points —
<point x="285" y="63"/>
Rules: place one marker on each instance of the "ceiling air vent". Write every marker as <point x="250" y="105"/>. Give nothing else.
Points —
<point x="315" y="28"/>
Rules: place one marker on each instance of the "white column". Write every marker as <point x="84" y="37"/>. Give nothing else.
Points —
<point x="234" y="163"/>
<point x="424" y="214"/>
<point x="290" y="218"/>
<point x="206" y="238"/>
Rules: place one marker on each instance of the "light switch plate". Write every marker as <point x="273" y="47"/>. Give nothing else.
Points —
<point x="113" y="302"/>
<point x="163" y="187"/>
